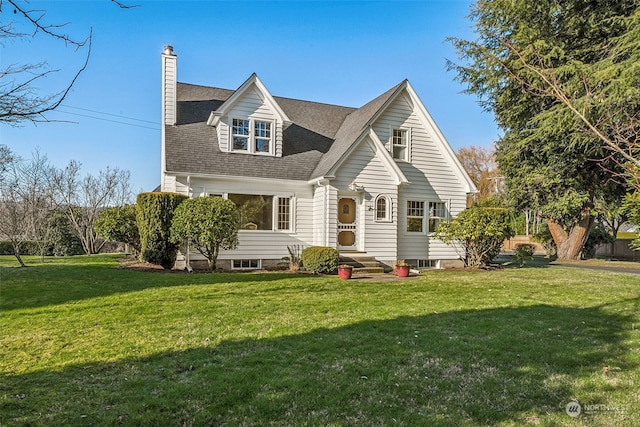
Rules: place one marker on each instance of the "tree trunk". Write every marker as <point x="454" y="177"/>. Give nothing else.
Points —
<point x="570" y="244"/>
<point x="16" y="253"/>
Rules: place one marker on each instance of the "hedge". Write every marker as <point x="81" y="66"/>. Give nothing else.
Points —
<point x="26" y="248"/>
<point x="154" y="213"/>
<point x="320" y="259"/>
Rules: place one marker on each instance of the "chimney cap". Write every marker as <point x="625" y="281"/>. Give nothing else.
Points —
<point x="168" y="50"/>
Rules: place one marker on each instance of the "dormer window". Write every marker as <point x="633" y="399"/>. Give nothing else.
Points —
<point x="251" y="136"/>
<point x="262" y="132"/>
<point x="400" y="144"/>
<point x="240" y="135"/>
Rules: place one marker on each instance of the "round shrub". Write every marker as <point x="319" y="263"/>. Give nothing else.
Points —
<point x="320" y="259"/>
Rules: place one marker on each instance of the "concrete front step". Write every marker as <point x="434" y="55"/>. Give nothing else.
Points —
<point x="362" y="264"/>
<point x="368" y="270"/>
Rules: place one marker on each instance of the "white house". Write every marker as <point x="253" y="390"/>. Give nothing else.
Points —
<point x="372" y="181"/>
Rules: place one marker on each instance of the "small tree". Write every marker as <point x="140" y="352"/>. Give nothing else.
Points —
<point x="118" y="224"/>
<point x="208" y="224"/>
<point x="25" y="200"/>
<point x="154" y="213"/>
<point x="477" y="234"/>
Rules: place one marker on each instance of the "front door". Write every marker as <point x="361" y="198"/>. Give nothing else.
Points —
<point x="347" y="220"/>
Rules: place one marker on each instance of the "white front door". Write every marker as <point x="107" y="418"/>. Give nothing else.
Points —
<point x="347" y="224"/>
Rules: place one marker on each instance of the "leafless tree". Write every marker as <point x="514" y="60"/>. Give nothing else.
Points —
<point x="82" y="199"/>
<point x="25" y="202"/>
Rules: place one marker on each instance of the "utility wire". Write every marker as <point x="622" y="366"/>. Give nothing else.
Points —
<point x="109" y="114"/>
<point x="109" y="120"/>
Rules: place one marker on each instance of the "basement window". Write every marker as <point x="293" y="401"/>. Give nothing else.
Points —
<point x="246" y="264"/>
<point x="428" y="263"/>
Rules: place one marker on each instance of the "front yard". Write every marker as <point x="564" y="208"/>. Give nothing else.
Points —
<point x="84" y="342"/>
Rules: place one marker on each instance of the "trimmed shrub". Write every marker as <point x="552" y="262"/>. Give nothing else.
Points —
<point x="154" y="213"/>
<point x="320" y="259"/>
<point x="209" y="224"/>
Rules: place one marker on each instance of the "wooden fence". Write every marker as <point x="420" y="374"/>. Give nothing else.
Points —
<point x="619" y="249"/>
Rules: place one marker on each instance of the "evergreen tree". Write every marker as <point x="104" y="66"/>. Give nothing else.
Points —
<point x="562" y="78"/>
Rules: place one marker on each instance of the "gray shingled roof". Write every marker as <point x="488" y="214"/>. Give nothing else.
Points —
<point x="350" y="131"/>
<point x="318" y="136"/>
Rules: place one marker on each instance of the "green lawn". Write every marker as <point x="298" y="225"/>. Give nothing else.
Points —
<point x="83" y="342"/>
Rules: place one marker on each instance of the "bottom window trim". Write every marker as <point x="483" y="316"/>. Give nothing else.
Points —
<point x="249" y="260"/>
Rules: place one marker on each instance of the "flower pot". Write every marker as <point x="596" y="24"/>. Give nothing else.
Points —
<point x="345" y="272"/>
<point x="402" y="270"/>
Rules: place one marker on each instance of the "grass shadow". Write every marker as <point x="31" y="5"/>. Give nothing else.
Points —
<point x="508" y="366"/>
<point x="81" y="278"/>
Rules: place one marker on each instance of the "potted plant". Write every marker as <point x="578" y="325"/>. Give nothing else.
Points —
<point x="402" y="268"/>
<point x="345" y="271"/>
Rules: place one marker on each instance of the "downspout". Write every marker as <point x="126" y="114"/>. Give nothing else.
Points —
<point x="188" y="260"/>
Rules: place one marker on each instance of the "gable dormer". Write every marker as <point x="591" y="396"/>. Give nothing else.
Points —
<point x="411" y="136"/>
<point x="250" y="121"/>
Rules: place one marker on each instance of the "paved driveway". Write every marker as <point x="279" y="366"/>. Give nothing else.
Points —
<point x="629" y="269"/>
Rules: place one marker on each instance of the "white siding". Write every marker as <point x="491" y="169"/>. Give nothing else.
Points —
<point x="251" y="106"/>
<point x="363" y="166"/>
<point x="431" y="176"/>
<point x="263" y="244"/>
<point x="169" y="183"/>
<point x="319" y="215"/>
<point x="181" y="186"/>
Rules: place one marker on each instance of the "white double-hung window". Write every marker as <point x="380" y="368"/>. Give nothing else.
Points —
<point x="423" y="220"/>
<point x="437" y="213"/>
<point x="415" y="216"/>
<point x="251" y="136"/>
<point x="262" y="133"/>
<point x="400" y="144"/>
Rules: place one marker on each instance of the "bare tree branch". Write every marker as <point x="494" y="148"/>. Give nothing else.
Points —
<point x="124" y="6"/>
<point x="20" y="100"/>
<point x="35" y="18"/>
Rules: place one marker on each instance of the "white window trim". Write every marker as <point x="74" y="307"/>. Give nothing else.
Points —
<point x="441" y="218"/>
<point x="274" y="211"/>
<point x="408" y="130"/>
<point x="292" y="204"/>
<point x="251" y="138"/>
<point x="259" y="264"/>
<point x="388" y="217"/>
<point x="425" y="215"/>
<point x="436" y="263"/>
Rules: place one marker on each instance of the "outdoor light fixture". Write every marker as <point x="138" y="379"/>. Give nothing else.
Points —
<point x="355" y="187"/>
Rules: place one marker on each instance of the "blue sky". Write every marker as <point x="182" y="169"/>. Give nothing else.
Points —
<point x="336" y="52"/>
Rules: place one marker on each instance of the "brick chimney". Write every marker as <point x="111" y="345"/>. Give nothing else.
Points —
<point x="169" y="78"/>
